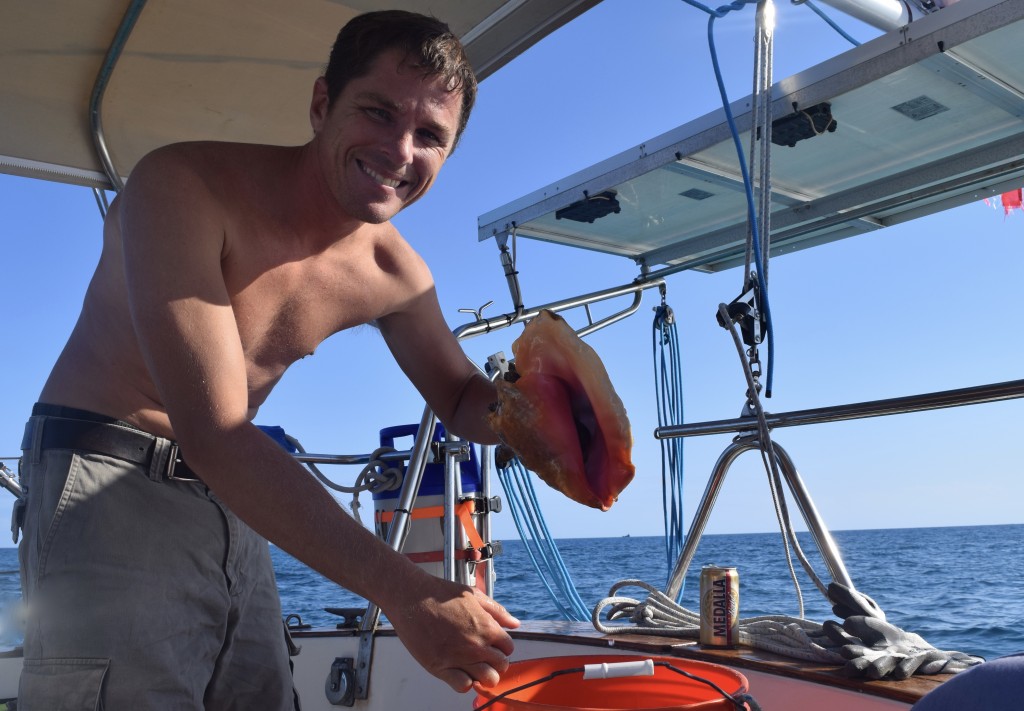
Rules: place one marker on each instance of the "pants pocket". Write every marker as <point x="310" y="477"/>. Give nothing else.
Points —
<point x="51" y="485"/>
<point x="62" y="684"/>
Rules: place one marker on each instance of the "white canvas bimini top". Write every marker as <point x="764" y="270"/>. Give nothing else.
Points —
<point x="237" y="70"/>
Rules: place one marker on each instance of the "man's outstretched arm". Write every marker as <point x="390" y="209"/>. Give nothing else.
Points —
<point x="429" y="354"/>
<point x="174" y="243"/>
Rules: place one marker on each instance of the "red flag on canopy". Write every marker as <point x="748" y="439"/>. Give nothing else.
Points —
<point x="1012" y="201"/>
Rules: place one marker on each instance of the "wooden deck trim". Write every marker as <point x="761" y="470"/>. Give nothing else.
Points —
<point x="584" y="634"/>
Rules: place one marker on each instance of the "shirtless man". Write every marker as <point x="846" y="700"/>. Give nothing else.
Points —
<point x="222" y="264"/>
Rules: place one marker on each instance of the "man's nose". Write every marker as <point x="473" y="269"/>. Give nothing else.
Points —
<point x="401" y="146"/>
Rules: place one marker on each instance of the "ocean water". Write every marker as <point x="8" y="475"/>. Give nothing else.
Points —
<point x="959" y="587"/>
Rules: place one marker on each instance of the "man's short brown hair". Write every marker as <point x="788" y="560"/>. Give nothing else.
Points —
<point x="427" y="42"/>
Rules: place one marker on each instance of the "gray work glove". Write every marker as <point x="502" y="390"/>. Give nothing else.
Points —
<point x="848" y="602"/>
<point x="878" y="650"/>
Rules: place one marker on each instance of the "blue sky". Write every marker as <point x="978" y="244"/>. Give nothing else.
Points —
<point x="910" y="309"/>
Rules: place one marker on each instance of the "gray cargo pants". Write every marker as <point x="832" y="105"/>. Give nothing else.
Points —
<point x="142" y="594"/>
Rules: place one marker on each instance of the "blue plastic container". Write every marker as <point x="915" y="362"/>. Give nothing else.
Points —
<point x="433" y="474"/>
<point x="425" y="540"/>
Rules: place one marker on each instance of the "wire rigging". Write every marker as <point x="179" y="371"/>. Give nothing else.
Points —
<point x="758" y="254"/>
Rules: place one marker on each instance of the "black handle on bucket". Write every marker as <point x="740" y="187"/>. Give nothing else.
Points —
<point x="744" y="702"/>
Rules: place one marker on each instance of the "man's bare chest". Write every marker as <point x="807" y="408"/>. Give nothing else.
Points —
<point x="284" y="313"/>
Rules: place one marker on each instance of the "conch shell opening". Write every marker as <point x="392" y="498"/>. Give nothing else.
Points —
<point x="559" y="412"/>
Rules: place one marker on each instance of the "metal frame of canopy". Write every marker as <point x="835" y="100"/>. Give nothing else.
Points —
<point x="929" y="117"/>
<point x="162" y="71"/>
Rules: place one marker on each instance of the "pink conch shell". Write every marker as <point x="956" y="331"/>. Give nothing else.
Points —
<point x="562" y="416"/>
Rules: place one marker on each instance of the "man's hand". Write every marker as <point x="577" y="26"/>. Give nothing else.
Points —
<point x="454" y="632"/>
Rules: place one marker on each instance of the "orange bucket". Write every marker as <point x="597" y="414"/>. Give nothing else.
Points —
<point x="664" y="690"/>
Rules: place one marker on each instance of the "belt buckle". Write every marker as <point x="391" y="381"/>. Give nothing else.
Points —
<point x="172" y="463"/>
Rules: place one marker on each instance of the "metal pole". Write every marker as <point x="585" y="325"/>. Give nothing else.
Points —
<point x="700" y="519"/>
<point x="483" y="326"/>
<point x="819" y="532"/>
<point x="886" y="15"/>
<point x="131" y="15"/>
<point x="399" y="530"/>
<point x="451" y="497"/>
<point x="486" y="463"/>
<point x="822" y="538"/>
<point x="837" y="413"/>
<point x="396" y="539"/>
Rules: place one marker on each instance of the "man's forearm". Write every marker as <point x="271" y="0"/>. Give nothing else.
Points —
<point x="453" y="630"/>
<point x="470" y="418"/>
<point x="269" y="490"/>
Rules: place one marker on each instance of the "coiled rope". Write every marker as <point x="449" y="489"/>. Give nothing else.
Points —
<point x="662" y="616"/>
<point x="375" y="476"/>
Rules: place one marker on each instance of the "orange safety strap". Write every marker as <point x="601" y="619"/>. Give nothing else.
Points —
<point x="438" y="556"/>
<point x="463" y="510"/>
<point x="415" y="514"/>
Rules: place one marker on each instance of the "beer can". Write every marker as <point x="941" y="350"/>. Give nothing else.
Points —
<point x="719" y="606"/>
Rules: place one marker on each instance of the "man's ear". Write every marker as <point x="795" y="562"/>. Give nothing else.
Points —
<point x="319" y="105"/>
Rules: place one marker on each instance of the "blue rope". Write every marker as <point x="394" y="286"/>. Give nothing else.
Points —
<point x="747" y="184"/>
<point x="540" y="546"/>
<point x="820" y="13"/>
<point x="722" y="10"/>
<point x="668" y="385"/>
<point x="558" y="568"/>
<point x="518" y="514"/>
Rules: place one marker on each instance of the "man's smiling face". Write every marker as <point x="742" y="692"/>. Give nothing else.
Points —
<point x="382" y="142"/>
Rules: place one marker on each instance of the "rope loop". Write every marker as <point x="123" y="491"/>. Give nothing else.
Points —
<point x="374" y="477"/>
<point x="668" y="391"/>
<point x="377" y="476"/>
<point x="659" y="615"/>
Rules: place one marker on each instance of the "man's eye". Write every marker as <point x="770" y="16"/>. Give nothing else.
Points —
<point x="380" y="114"/>
<point x="431" y="137"/>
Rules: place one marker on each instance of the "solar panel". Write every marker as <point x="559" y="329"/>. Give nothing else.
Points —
<point x="913" y="122"/>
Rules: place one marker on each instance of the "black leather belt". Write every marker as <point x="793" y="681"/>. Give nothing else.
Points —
<point x="116" y="440"/>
